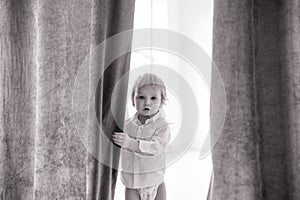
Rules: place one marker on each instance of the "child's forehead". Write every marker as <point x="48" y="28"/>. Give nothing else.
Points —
<point x="149" y="89"/>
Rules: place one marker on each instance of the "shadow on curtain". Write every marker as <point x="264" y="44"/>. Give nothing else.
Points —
<point x="256" y="47"/>
<point x="43" y="44"/>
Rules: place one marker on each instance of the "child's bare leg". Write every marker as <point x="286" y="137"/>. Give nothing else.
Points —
<point x="161" y="192"/>
<point x="131" y="194"/>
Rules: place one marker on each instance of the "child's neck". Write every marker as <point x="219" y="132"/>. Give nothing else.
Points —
<point x="143" y="119"/>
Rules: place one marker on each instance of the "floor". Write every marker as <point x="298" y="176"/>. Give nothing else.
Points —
<point x="188" y="178"/>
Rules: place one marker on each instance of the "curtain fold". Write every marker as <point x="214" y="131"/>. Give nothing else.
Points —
<point x="256" y="48"/>
<point x="43" y="44"/>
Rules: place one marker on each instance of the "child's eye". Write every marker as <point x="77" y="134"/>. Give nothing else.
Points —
<point x="140" y="97"/>
<point x="153" y="98"/>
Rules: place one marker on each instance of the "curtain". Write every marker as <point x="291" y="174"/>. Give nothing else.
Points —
<point x="256" y="46"/>
<point x="43" y="44"/>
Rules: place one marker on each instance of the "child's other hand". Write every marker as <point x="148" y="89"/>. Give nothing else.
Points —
<point x="125" y="141"/>
<point x="119" y="138"/>
<point x="122" y="139"/>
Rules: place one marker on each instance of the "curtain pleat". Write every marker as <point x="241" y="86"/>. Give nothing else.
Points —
<point x="256" y="48"/>
<point x="290" y="84"/>
<point x="43" y="44"/>
<point x="18" y="97"/>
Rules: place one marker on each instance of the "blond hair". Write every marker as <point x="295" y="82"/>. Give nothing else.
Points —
<point x="149" y="79"/>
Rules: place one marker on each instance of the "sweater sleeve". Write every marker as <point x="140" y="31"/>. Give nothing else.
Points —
<point x="158" y="141"/>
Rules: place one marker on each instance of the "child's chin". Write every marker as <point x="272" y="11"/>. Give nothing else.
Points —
<point x="147" y="114"/>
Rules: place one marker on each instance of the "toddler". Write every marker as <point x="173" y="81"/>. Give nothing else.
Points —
<point x="143" y="141"/>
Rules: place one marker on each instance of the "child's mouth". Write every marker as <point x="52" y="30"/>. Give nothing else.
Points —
<point x="146" y="109"/>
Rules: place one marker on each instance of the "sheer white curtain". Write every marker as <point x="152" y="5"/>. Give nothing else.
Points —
<point x="193" y="19"/>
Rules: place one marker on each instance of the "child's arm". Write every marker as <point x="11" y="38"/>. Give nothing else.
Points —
<point x="151" y="147"/>
<point x="158" y="141"/>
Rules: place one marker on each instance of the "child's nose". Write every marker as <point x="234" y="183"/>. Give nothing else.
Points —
<point x="147" y="102"/>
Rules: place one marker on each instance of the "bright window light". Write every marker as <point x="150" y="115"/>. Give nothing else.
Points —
<point x="189" y="177"/>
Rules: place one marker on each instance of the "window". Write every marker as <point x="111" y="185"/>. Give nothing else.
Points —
<point x="188" y="177"/>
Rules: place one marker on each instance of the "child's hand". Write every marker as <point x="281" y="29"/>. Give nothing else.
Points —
<point x="124" y="140"/>
<point x="118" y="138"/>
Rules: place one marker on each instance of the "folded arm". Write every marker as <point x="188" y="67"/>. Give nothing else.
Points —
<point x="153" y="146"/>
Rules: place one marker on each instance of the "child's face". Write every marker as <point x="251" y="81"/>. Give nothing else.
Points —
<point x="148" y="100"/>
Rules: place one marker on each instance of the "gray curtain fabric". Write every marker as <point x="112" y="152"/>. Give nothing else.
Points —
<point x="256" y="46"/>
<point x="43" y="44"/>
